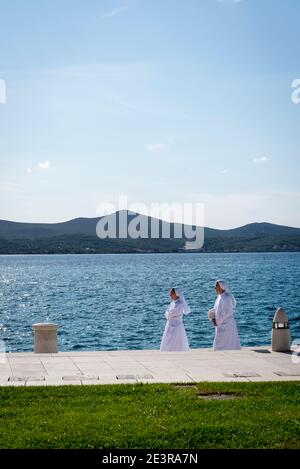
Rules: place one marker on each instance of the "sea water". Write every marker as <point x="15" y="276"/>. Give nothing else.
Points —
<point x="118" y="301"/>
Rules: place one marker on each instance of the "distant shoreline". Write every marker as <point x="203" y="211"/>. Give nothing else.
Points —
<point x="144" y="253"/>
<point x="78" y="236"/>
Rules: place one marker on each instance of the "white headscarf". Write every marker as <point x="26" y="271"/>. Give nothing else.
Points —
<point x="224" y="285"/>
<point x="186" y="308"/>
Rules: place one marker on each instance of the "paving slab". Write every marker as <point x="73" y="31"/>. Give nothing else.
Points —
<point x="30" y="370"/>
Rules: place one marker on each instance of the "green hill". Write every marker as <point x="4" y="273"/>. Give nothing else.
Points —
<point x="79" y="236"/>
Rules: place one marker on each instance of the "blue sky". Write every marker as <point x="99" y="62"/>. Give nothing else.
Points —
<point x="161" y="100"/>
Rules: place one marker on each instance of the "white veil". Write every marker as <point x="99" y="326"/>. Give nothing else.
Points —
<point x="186" y="308"/>
<point x="224" y="285"/>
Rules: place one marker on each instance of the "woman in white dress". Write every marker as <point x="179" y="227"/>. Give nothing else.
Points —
<point x="222" y="317"/>
<point x="174" y="338"/>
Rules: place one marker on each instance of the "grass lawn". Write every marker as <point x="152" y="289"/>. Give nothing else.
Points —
<point x="206" y="415"/>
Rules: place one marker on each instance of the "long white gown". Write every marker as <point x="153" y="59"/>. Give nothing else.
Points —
<point x="174" y="338"/>
<point x="226" y="334"/>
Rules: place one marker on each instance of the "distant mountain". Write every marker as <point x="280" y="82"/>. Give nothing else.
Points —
<point x="19" y="230"/>
<point x="79" y="236"/>
<point x="256" y="229"/>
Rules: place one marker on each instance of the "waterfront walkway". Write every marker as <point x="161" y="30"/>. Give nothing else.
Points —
<point x="147" y="366"/>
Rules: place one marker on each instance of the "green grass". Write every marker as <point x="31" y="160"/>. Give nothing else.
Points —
<point x="254" y="415"/>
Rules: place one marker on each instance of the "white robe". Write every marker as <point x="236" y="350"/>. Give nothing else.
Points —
<point x="174" y="338"/>
<point x="226" y="334"/>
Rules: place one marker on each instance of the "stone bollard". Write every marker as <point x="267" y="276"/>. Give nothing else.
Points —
<point x="281" y="336"/>
<point x="45" y="338"/>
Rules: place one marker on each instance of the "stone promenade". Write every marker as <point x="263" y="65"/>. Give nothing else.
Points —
<point x="147" y="366"/>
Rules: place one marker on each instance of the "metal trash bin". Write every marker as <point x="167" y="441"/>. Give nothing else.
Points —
<point x="281" y="335"/>
<point x="45" y="338"/>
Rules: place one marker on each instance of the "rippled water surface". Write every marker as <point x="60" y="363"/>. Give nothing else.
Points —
<point x="118" y="301"/>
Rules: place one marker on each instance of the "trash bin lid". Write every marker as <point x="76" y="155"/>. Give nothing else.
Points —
<point x="280" y="316"/>
<point x="45" y="326"/>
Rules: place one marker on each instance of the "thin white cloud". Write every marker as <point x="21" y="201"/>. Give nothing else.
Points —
<point x="262" y="159"/>
<point x="111" y="82"/>
<point x="123" y="70"/>
<point x="8" y="186"/>
<point x="44" y="165"/>
<point x="155" y="147"/>
<point x="171" y="139"/>
<point x="224" y="171"/>
<point x="231" y="1"/>
<point x="103" y="76"/>
<point x="117" y="100"/>
<point x="2" y="91"/>
<point x="113" y="12"/>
